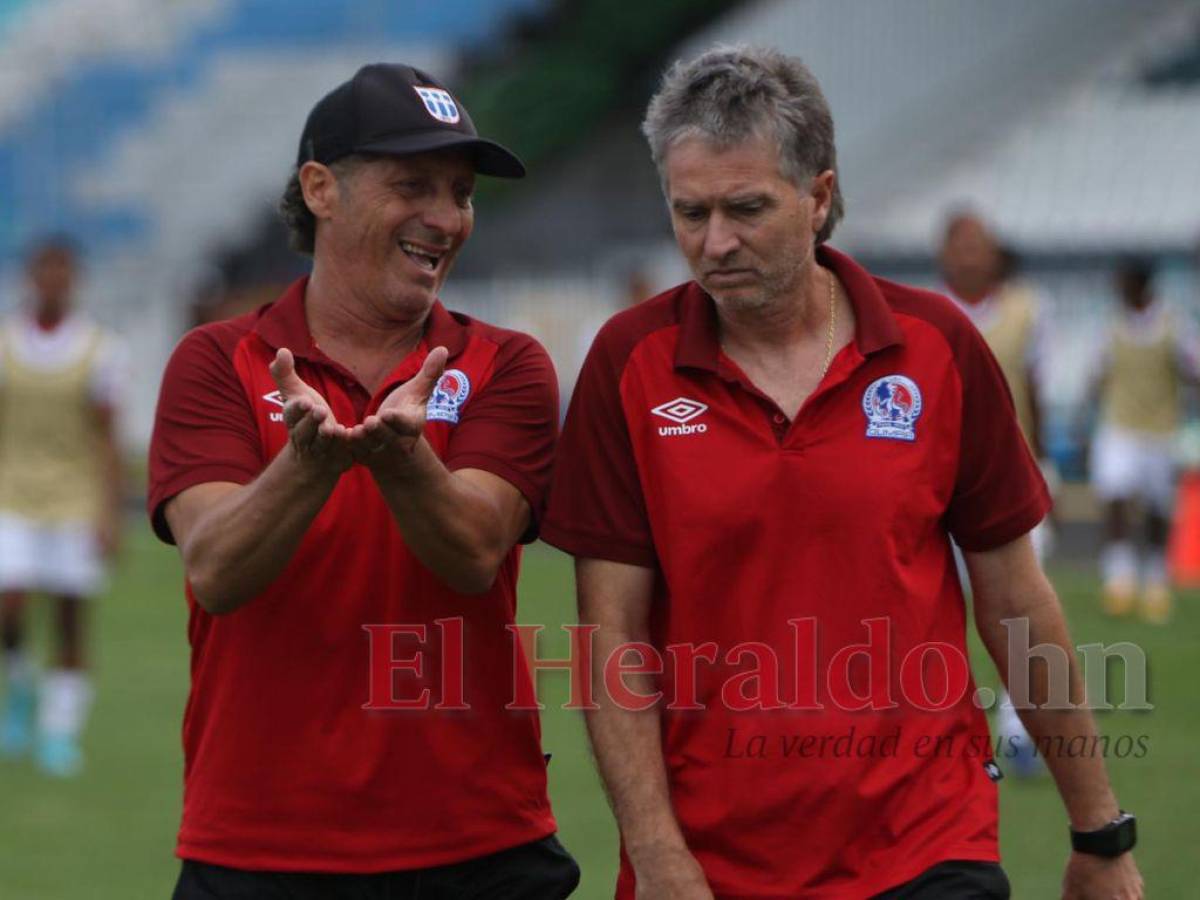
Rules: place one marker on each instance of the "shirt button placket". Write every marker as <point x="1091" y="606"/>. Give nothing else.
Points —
<point x="779" y="425"/>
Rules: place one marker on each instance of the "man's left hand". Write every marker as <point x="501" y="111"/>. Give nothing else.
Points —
<point x="394" y="429"/>
<point x="1097" y="878"/>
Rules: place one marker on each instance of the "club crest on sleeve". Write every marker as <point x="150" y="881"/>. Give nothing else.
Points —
<point x="448" y="397"/>
<point x="892" y="405"/>
<point x="439" y="104"/>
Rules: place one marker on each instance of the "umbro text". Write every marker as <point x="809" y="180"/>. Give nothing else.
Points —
<point x="672" y="430"/>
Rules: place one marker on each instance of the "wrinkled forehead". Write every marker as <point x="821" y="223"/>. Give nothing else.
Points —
<point x="698" y="164"/>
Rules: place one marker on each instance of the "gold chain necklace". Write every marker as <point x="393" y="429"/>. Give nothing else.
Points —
<point x="832" y="325"/>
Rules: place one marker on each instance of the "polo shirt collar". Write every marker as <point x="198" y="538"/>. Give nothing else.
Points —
<point x="699" y="344"/>
<point x="875" y="324"/>
<point x="284" y="324"/>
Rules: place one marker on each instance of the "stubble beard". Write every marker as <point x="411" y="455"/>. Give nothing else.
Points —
<point x="744" y="301"/>
<point x="776" y="288"/>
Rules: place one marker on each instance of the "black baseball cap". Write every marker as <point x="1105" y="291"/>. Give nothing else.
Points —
<point x="394" y="109"/>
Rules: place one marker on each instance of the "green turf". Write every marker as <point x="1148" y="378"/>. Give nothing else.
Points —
<point x="109" y="834"/>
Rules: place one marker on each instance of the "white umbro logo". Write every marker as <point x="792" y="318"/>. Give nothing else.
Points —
<point x="681" y="410"/>
<point x="275" y="397"/>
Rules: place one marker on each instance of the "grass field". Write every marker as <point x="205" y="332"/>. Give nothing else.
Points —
<point x="109" y="834"/>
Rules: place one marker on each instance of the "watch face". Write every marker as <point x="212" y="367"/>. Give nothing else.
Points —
<point x="1126" y="832"/>
<point x="1115" y="838"/>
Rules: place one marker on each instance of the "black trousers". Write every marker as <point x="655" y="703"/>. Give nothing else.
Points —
<point x="954" y="880"/>
<point x="542" y="870"/>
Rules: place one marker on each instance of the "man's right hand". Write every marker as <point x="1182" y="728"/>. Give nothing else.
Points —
<point x="673" y="875"/>
<point x="317" y="438"/>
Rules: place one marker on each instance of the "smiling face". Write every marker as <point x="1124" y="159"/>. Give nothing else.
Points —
<point x="746" y="230"/>
<point x="391" y="227"/>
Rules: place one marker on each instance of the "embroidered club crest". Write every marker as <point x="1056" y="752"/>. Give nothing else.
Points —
<point x="892" y="405"/>
<point x="439" y="104"/>
<point x="448" y="397"/>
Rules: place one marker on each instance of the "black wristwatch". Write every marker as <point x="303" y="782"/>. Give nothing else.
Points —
<point x="1115" y="838"/>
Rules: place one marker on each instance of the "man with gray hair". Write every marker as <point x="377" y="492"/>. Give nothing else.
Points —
<point x="759" y="476"/>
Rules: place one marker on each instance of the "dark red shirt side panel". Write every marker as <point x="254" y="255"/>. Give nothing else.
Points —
<point x="204" y="427"/>
<point x="589" y="516"/>
<point x="999" y="492"/>
<point x="511" y="427"/>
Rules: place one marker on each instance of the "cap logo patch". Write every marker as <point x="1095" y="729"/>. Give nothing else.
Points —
<point x="439" y="104"/>
<point x="892" y="405"/>
<point x="448" y="397"/>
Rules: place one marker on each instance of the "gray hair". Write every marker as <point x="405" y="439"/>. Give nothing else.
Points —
<point x="301" y="223"/>
<point x="732" y="94"/>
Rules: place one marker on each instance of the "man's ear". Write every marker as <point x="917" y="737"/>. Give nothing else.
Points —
<point x="320" y="187"/>
<point x="822" y="194"/>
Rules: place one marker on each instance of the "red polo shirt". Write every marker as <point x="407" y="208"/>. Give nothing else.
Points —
<point x="800" y="542"/>
<point x="284" y="769"/>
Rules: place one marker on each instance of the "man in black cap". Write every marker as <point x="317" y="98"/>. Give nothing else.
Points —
<point x="348" y="473"/>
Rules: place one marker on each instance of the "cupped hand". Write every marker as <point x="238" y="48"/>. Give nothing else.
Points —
<point x="317" y="438"/>
<point x="394" y="429"/>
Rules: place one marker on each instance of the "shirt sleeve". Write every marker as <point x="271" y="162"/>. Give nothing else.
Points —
<point x="511" y="427"/>
<point x="999" y="492"/>
<point x="1096" y="364"/>
<point x="1040" y="349"/>
<point x="110" y="373"/>
<point x="1187" y="347"/>
<point x="204" y="428"/>
<point x="597" y="508"/>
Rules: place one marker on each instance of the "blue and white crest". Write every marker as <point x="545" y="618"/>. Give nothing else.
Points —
<point x="893" y="405"/>
<point x="439" y="104"/>
<point x="448" y="397"/>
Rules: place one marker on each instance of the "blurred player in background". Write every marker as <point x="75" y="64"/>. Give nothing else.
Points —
<point x="1149" y="354"/>
<point x="60" y="495"/>
<point x="979" y="274"/>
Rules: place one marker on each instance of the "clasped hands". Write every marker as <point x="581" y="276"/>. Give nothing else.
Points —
<point x="319" y="440"/>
